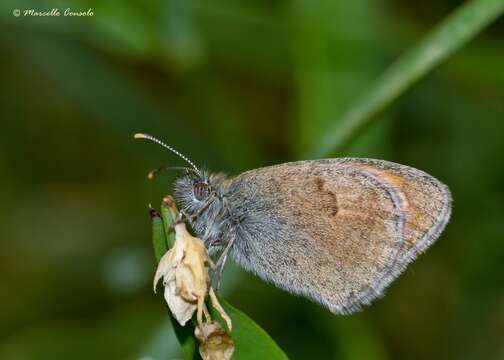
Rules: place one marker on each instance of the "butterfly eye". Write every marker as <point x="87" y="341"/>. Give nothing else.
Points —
<point x="201" y="190"/>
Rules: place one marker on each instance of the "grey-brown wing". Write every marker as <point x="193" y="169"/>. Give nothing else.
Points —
<point x="337" y="230"/>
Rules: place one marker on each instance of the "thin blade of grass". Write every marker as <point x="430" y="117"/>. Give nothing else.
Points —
<point x="455" y="31"/>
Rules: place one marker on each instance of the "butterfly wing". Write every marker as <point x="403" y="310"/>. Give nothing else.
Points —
<point x="338" y="230"/>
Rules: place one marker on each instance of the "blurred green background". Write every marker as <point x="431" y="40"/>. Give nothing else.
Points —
<point x="234" y="85"/>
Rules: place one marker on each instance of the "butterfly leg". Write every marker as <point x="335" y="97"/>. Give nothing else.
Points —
<point x="219" y="266"/>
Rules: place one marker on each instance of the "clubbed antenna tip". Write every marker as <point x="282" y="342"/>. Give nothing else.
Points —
<point x="152" y="138"/>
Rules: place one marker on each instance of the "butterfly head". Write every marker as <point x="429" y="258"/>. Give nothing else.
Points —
<point x="193" y="190"/>
<point x="198" y="194"/>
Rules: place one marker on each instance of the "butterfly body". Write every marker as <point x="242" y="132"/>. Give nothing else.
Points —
<point x="338" y="231"/>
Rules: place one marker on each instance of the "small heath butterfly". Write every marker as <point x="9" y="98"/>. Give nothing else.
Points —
<point x="338" y="231"/>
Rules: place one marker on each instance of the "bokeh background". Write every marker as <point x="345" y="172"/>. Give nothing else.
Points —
<point x="234" y="85"/>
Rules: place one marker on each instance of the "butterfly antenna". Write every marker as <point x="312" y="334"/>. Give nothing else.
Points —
<point x="151" y="138"/>
<point x="153" y="173"/>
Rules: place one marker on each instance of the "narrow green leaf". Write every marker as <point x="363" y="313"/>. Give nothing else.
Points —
<point x="251" y="341"/>
<point x="456" y="30"/>
<point x="158" y="234"/>
<point x="168" y="222"/>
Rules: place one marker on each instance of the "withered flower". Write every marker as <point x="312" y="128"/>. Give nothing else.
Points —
<point x="184" y="269"/>
<point x="215" y="342"/>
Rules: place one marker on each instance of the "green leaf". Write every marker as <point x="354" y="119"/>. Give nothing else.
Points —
<point x="185" y="336"/>
<point x="158" y="234"/>
<point x="456" y="30"/>
<point x="168" y="222"/>
<point x="251" y="341"/>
